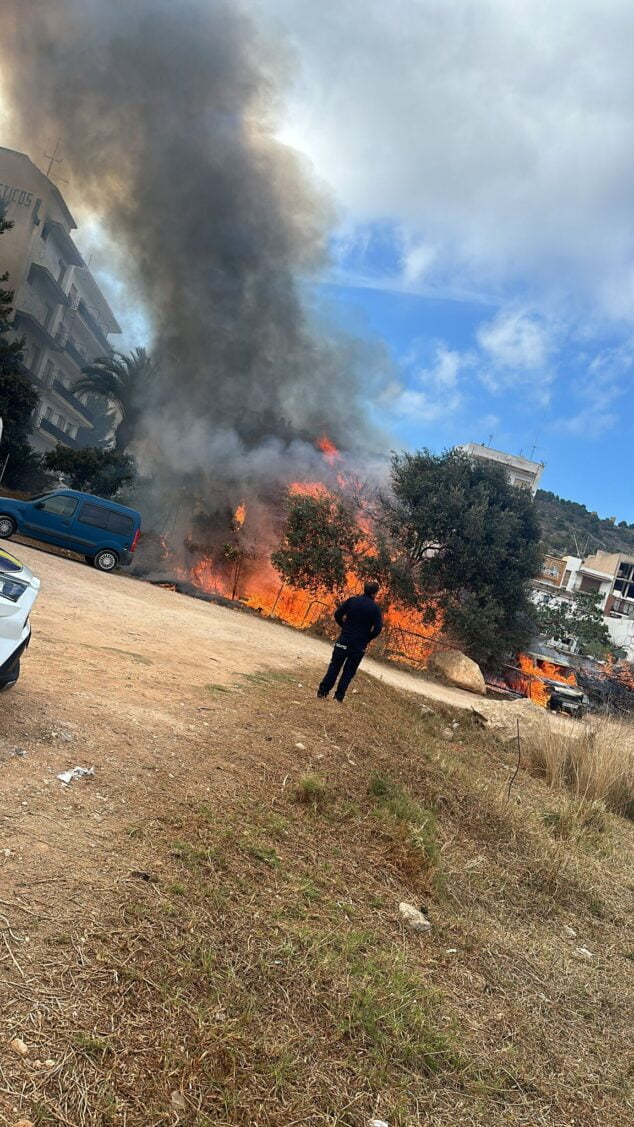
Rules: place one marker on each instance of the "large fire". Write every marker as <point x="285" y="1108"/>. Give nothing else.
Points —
<point x="537" y="673"/>
<point x="235" y="574"/>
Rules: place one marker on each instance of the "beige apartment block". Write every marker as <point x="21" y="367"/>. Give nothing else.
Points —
<point x="59" y="309"/>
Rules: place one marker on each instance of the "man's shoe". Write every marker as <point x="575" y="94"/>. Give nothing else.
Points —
<point x="322" y="696"/>
<point x="340" y="699"/>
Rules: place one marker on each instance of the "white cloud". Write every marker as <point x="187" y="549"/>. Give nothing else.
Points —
<point x="516" y="350"/>
<point x="588" y="423"/>
<point x="417" y="258"/>
<point x="433" y="393"/>
<point x="607" y="378"/>
<point x="514" y="339"/>
<point x="501" y="133"/>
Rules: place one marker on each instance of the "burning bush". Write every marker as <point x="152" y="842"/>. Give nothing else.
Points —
<point x="453" y="542"/>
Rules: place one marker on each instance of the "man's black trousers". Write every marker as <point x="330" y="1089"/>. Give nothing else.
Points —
<point x="343" y="658"/>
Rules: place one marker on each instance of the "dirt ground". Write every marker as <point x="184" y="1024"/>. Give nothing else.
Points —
<point x="173" y="703"/>
<point x="126" y="678"/>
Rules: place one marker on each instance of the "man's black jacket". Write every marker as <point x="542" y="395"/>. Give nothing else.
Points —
<point x="360" y="621"/>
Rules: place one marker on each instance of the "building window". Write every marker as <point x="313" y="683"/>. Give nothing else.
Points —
<point x="36" y="357"/>
<point x="48" y="414"/>
<point x="49" y="373"/>
<point x="590" y="585"/>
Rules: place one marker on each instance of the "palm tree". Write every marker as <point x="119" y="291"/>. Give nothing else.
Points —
<point x="123" y="381"/>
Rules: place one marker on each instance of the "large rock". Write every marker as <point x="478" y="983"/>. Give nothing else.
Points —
<point x="501" y="718"/>
<point x="458" y="670"/>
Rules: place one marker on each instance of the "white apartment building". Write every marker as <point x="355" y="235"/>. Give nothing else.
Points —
<point x="521" y="471"/>
<point x="59" y="309"/>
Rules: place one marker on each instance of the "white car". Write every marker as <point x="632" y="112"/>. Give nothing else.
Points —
<point x="18" y="591"/>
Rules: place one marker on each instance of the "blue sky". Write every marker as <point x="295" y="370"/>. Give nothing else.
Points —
<point x="479" y="157"/>
<point x="476" y="367"/>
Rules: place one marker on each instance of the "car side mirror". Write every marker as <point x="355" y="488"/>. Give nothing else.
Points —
<point x="39" y="505"/>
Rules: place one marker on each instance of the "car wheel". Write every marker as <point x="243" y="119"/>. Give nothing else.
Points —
<point x="7" y="527"/>
<point x="15" y="673"/>
<point x="106" y="560"/>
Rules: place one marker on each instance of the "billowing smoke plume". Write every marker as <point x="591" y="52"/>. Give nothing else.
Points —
<point x="166" y="114"/>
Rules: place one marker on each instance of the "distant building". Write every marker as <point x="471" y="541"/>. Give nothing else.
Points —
<point x="521" y="470"/>
<point x="59" y="309"/>
<point x="609" y="576"/>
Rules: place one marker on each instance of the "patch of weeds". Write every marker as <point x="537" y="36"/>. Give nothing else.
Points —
<point x="92" y="1046"/>
<point x="135" y="831"/>
<point x="310" y="893"/>
<point x="41" y="1115"/>
<point x="311" y="791"/>
<point x="212" y="687"/>
<point x="273" y="824"/>
<point x="396" y="805"/>
<point x="379" y="1004"/>
<point x="188" y="854"/>
<point x="176" y="889"/>
<point x="597" y="907"/>
<point x="577" y="820"/>
<point x="263" y="853"/>
<point x="269" y="677"/>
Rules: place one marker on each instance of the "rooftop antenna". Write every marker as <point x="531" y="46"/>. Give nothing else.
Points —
<point x="54" y="159"/>
<point x="490" y="441"/>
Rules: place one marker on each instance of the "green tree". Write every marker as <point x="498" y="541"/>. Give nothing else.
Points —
<point x="453" y="537"/>
<point x="320" y="542"/>
<point x="579" y="618"/>
<point x="466" y="540"/>
<point x="92" y="470"/>
<point x="123" y="381"/>
<point x="18" y="398"/>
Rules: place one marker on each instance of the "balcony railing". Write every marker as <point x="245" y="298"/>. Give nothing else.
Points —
<point x="94" y="326"/>
<point x="59" y="435"/>
<point x="43" y="272"/>
<point x="73" y="401"/>
<point x="74" y="353"/>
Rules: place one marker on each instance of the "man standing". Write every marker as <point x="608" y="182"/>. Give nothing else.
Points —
<point x="360" y="621"/>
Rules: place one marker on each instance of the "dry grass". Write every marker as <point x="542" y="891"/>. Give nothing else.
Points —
<point x="252" y="970"/>
<point x="596" y="765"/>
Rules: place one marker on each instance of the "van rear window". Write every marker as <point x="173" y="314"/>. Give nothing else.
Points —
<point x="100" y="517"/>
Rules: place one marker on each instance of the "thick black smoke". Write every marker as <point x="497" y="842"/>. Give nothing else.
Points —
<point x="166" y="114"/>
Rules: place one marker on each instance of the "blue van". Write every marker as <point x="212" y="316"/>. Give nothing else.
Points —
<point x="103" y="531"/>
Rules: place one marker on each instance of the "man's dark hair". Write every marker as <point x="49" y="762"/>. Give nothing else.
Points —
<point x="371" y="588"/>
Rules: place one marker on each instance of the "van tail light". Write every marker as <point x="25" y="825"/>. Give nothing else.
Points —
<point x="136" y="540"/>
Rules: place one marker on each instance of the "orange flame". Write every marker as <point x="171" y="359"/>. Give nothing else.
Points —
<point x="240" y="514"/>
<point x="307" y="489"/>
<point x="328" y="449"/>
<point x="533" y="684"/>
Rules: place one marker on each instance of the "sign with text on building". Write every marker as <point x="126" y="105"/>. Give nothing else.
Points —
<point x="19" y="196"/>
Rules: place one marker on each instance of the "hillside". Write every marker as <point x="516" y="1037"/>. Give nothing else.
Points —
<point x="569" y="528"/>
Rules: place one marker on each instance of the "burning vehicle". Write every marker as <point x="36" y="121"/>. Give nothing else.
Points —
<point x="568" y="700"/>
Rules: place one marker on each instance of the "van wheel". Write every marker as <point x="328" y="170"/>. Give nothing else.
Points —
<point x="7" y="527"/>
<point x="106" y="560"/>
